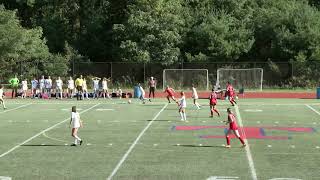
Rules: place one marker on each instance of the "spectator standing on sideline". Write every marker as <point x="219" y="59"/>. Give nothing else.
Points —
<point x="79" y="83"/>
<point x="14" y="83"/>
<point x="152" y="87"/>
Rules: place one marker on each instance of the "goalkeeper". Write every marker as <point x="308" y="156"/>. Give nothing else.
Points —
<point x="14" y="83"/>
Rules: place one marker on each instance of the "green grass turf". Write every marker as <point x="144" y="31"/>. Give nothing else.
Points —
<point x="109" y="134"/>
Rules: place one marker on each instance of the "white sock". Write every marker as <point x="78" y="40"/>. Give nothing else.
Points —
<point x="184" y="116"/>
<point x="75" y="141"/>
<point x="181" y="114"/>
<point x="77" y="137"/>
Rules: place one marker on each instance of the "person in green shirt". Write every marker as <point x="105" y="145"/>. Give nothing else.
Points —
<point x="14" y="83"/>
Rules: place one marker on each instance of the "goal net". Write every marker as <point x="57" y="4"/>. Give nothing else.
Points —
<point x="241" y="78"/>
<point x="182" y="79"/>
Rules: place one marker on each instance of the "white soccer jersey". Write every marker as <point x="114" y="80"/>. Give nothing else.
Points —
<point x="96" y="84"/>
<point x="48" y="83"/>
<point x="42" y="81"/>
<point x="1" y="93"/>
<point x="194" y="93"/>
<point x="75" y="122"/>
<point x="59" y="83"/>
<point x="24" y="85"/>
<point x="84" y="85"/>
<point x="70" y="84"/>
<point x="142" y="91"/>
<point x="104" y="85"/>
<point x="183" y="102"/>
<point x="34" y="84"/>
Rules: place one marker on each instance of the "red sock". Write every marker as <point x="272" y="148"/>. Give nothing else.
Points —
<point x="231" y="102"/>
<point x="240" y="138"/>
<point x="228" y="140"/>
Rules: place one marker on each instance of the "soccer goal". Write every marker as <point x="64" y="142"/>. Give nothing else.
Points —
<point x="251" y="79"/>
<point x="182" y="79"/>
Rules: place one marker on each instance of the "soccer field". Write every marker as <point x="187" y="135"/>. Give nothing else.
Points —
<point x="142" y="142"/>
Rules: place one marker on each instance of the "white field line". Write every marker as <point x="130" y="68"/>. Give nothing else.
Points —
<point x="313" y="109"/>
<point x="247" y="148"/>
<point x="115" y="170"/>
<point x="24" y="105"/>
<point x="43" y="131"/>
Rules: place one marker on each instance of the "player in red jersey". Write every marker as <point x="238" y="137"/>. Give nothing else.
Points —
<point x="213" y="103"/>
<point x="230" y="93"/>
<point x="170" y="92"/>
<point x="233" y="128"/>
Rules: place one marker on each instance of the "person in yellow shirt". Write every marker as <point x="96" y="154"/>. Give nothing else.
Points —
<point x="79" y="83"/>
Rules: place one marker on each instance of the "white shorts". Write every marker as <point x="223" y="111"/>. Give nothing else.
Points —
<point x="195" y="97"/>
<point x="24" y="88"/>
<point x="71" y="87"/>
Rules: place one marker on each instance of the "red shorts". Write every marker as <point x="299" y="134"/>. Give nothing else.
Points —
<point x="170" y="95"/>
<point x="213" y="103"/>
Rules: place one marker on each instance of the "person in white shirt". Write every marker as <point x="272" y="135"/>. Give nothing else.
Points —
<point x="182" y="103"/>
<point x="42" y="84"/>
<point x="59" y="89"/>
<point x="119" y="92"/>
<point x="96" y="87"/>
<point x="195" y="97"/>
<point x="48" y="85"/>
<point x="75" y="123"/>
<point x="84" y="89"/>
<point x="1" y="97"/>
<point x="70" y="90"/>
<point x="24" y="88"/>
<point x="105" y="88"/>
<point x="34" y="85"/>
<point x="143" y="93"/>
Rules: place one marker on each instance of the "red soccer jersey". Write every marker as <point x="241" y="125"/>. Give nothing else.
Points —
<point x="169" y="91"/>
<point x="213" y="98"/>
<point x="230" y="90"/>
<point x="232" y="122"/>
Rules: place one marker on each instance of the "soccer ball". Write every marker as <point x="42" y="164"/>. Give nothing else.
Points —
<point x="129" y="101"/>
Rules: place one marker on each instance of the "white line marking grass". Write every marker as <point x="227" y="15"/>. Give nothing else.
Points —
<point x="8" y="110"/>
<point x="313" y="109"/>
<point x="247" y="148"/>
<point x="125" y="156"/>
<point x="45" y="130"/>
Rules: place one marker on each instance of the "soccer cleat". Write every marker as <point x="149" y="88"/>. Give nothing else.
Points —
<point x="149" y="100"/>
<point x="228" y="146"/>
<point x="81" y="142"/>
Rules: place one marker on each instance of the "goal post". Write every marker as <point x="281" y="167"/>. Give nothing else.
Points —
<point x="182" y="79"/>
<point x="251" y="79"/>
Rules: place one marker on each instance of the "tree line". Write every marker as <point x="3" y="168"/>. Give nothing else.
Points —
<point x="161" y="31"/>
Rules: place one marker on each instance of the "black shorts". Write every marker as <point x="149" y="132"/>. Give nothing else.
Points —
<point x="79" y="88"/>
<point x="152" y="89"/>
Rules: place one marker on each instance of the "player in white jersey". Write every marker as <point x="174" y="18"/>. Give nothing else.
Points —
<point x="195" y="97"/>
<point x="75" y="124"/>
<point x="70" y="90"/>
<point x="48" y="85"/>
<point x="59" y="89"/>
<point x="96" y="87"/>
<point x="119" y="92"/>
<point x="182" y="103"/>
<point x="24" y="88"/>
<point x="143" y="93"/>
<point x="105" y="88"/>
<point x="84" y="89"/>
<point x="1" y="97"/>
<point x="42" y="84"/>
<point x="34" y="85"/>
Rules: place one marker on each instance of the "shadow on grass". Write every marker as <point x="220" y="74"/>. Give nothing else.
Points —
<point x="32" y="145"/>
<point x="160" y="120"/>
<point x="198" y="146"/>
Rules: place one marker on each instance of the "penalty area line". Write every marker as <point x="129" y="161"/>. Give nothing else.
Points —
<point x="43" y="131"/>
<point x="24" y="105"/>
<point x="247" y="148"/>
<point x="125" y="156"/>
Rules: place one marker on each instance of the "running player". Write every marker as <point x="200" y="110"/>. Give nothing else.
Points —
<point x="213" y="103"/>
<point x="1" y="97"/>
<point x="170" y="92"/>
<point x="105" y="88"/>
<point x="70" y="90"/>
<point x="230" y="93"/>
<point x="24" y="88"/>
<point x="59" y="90"/>
<point x="96" y="87"/>
<point x="34" y="85"/>
<point x="182" y="106"/>
<point x="233" y="128"/>
<point x="195" y="97"/>
<point x="75" y="123"/>
<point x="143" y="93"/>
